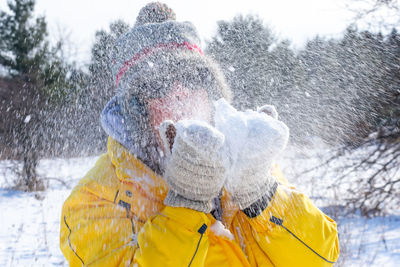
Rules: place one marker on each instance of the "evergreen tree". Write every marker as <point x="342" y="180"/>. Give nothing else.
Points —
<point x="22" y="43"/>
<point x="242" y="48"/>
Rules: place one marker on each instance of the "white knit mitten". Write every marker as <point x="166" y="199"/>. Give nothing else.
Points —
<point x="253" y="140"/>
<point x="194" y="171"/>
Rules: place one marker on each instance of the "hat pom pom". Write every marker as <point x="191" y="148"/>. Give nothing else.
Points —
<point x="155" y="12"/>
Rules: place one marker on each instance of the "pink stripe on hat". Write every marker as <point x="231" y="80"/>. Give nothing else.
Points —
<point x="128" y="64"/>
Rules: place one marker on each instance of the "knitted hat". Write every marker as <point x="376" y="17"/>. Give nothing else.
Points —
<point x="159" y="50"/>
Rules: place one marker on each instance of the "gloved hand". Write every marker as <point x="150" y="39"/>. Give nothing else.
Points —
<point x="253" y="140"/>
<point x="194" y="171"/>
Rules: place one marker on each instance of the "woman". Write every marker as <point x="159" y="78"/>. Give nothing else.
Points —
<point x="167" y="196"/>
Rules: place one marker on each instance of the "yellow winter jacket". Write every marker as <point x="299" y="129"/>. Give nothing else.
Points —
<point x="115" y="216"/>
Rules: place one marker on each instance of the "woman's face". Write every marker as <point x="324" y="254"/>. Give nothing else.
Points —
<point x="180" y="103"/>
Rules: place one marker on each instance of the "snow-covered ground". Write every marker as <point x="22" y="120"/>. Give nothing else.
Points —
<point x="29" y="222"/>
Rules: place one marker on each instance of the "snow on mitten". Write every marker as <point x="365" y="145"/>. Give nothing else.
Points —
<point x="194" y="171"/>
<point x="253" y="140"/>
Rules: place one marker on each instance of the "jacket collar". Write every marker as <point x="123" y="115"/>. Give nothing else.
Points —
<point x="130" y="169"/>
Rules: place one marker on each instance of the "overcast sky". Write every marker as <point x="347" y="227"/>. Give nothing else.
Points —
<point x="292" y="19"/>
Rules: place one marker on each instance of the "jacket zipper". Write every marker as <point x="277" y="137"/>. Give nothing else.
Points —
<point x="201" y="231"/>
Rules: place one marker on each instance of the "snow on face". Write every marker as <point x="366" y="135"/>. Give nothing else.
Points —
<point x="180" y="103"/>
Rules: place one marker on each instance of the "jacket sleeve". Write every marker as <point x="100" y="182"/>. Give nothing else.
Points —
<point x="103" y="214"/>
<point x="290" y="231"/>
<point x="94" y="230"/>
